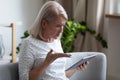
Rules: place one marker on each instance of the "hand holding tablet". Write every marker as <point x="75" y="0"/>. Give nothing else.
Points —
<point x="80" y="62"/>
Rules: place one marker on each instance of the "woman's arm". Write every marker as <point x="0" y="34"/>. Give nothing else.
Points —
<point x="35" y="73"/>
<point x="82" y="67"/>
<point x="69" y="73"/>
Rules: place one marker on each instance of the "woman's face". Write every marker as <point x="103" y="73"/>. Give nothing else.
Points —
<point x="53" y="29"/>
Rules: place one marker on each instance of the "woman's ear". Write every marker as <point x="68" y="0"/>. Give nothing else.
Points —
<point x="43" y="23"/>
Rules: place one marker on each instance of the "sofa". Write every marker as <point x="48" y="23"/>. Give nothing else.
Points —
<point x="9" y="71"/>
<point x="96" y="69"/>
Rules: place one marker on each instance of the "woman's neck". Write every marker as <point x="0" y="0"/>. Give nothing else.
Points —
<point x="45" y="39"/>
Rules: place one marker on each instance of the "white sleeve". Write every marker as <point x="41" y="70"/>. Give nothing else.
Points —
<point x="26" y="60"/>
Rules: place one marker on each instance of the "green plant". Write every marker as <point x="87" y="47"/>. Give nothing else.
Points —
<point x="26" y="34"/>
<point x="70" y="32"/>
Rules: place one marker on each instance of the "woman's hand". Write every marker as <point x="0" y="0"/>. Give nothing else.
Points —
<point x="53" y="56"/>
<point x="83" y="66"/>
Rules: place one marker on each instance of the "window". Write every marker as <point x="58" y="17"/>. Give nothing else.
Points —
<point x="115" y="6"/>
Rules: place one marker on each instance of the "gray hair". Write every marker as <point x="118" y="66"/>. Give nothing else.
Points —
<point x="49" y="11"/>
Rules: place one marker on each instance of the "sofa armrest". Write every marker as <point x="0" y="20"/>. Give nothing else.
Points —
<point x="9" y="71"/>
<point x="96" y="70"/>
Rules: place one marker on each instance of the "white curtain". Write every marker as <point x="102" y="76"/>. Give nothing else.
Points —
<point x="79" y="10"/>
<point x="79" y="15"/>
<point x="95" y="21"/>
<point x="82" y="43"/>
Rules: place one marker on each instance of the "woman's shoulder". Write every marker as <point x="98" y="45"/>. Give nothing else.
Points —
<point x="29" y="39"/>
<point x="26" y="40"/>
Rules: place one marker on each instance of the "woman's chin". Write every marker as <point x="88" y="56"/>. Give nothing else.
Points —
<point x="56" y="37"/>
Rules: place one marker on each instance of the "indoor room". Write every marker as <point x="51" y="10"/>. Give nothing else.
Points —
<point x="87" y="31"/>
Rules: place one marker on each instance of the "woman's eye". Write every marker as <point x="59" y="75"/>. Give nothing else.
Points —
<point x="59" y="26"/>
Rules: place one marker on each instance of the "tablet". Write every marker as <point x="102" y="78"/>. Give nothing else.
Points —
<point x="80" y="62"/>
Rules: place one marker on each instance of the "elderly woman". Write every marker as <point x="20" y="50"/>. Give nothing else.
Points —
<point x="41" y="55"/>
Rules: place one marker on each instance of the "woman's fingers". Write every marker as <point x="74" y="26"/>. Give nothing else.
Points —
<point x="87" y="62"/>
<point x="53" y="56"/>
<point x="50" y="51"/>
<point x="83" y="66"/>
<point x="62" y="55"/>
<point x="57" y="55"/>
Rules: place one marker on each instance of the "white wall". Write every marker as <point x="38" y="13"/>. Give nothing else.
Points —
<point x="113" y="54"/>
<point x="113" y="29"/>
<point x="22" y="12"/>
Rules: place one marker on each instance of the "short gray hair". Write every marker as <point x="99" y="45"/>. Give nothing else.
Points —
<point x="49" y="11"/>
